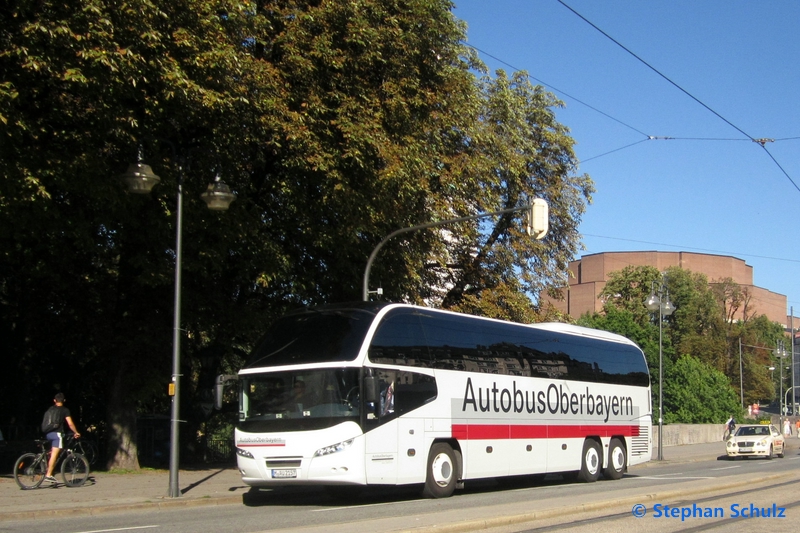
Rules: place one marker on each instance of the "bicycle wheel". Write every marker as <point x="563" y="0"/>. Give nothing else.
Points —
<point x="29" y="470"/>
<point x="89" y="450"/>
<point x="75" y="470"/>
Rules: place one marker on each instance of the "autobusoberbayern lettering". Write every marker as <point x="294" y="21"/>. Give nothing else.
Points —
<point x="553" y="400"/>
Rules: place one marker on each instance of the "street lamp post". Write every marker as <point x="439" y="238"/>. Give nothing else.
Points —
<point x="771" y="375"/>
<point x="780" y="354"/>
<point x="140" y="179"/>
<point x="537" y="226"/>
<point x="659" y="301"/>
<point x="793" y="371"/>
<point x="786" y="396"/>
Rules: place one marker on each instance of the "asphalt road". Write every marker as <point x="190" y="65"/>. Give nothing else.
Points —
<point x="759" y="506"/>
<point x="513" y="506"/>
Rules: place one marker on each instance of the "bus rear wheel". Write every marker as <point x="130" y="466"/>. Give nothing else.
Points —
<point x="590" y="462"/>
<point x="441" y="478"/>
<point x="617" y="460"/>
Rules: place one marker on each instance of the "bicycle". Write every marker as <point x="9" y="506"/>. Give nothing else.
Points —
<point x="31" y="468"/>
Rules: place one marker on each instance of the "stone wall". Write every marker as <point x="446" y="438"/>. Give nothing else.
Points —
<point x="680" y="434"/>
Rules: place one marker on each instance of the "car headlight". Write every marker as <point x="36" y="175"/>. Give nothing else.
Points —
<point x="333" y="448"/>
<point x="731" y="443"/>
<point x="762" y="442"/>
<point x="244" y="453"/>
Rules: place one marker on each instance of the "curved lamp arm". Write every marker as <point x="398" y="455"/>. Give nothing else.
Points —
<point x="537" y="226"/>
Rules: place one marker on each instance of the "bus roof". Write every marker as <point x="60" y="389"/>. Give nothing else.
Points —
<point x="559" y="327"/>
<point x="583" y="331"/>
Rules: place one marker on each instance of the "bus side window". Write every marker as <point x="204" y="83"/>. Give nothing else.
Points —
<point x="412" y="390"/>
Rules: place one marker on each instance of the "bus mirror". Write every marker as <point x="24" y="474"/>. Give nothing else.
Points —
<point x="219" y="388"/>
<point x="371" y="392"/>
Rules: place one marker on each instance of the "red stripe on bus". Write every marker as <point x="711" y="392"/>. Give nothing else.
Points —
<point x="515" y="431"/>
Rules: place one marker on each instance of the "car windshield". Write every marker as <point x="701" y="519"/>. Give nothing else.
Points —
<point x="750" y="431"/>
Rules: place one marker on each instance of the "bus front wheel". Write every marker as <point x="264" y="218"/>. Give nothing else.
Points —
<point x="590" y="461"/>
<point x="441" y="478"/>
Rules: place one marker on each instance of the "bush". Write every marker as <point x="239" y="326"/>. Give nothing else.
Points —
<point x="696" y="393"/>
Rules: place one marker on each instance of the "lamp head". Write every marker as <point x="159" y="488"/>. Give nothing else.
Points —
<point x="218" y="196"/>
<point x="139" y="178"/>
<point x="653" y="302"/>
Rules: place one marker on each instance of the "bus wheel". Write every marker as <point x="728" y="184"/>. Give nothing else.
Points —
<point x="617" y="460"/>
<point x="591" y="461"/>
<point x="440" y="481"/>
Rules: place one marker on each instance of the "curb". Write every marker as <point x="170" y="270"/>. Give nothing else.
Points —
<point x="119" y="508"/>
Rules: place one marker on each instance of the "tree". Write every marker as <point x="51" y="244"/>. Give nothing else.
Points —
<point x="628" y="289"/>
<point x="696" y="393"/>
<point x="335" y="123"/>
<point x="696" y="325"/>
<point x="518" y="151"/>
<point x="758" y="338"/>
<point x="702" y="326"/>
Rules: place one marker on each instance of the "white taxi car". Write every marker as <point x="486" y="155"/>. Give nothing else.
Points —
<point x="756" y="440"/>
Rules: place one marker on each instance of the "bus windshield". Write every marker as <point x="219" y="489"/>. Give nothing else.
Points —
<point x="298" y="400"/>
<point x="313" y="336"/>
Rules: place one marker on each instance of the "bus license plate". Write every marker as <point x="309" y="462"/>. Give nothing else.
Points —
<point x="284" y="473"/>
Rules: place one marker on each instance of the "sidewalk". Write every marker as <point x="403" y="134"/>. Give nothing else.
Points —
<point x="105" y="492"/>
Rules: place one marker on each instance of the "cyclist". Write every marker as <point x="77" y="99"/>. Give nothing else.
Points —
<point x="53" y="426"/>
<point x="730" y="425"/>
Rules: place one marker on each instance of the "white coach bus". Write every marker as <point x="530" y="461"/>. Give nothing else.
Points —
<point x="394" y="394"/>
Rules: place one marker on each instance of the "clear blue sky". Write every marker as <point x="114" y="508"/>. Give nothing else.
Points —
<point x="740" y="58"/>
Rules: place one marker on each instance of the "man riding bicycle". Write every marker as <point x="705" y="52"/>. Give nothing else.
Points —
<point x="730" y="426"/>
<point x="53" y="426"/>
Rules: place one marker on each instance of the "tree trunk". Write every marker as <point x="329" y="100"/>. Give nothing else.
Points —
<point x="123" y="452"/>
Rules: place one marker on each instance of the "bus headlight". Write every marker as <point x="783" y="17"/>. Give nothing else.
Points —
<point x="244" y="453"/>
<point x="334" y="448"/>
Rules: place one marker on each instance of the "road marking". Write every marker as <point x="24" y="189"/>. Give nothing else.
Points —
<point x="119" y="529"/>
<point x="670" y="478"/>
<point x="356" y="506"/>
<point x="727" y="467"/>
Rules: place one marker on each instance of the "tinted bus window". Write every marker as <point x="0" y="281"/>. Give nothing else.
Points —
<point x="314" y="336"/>
<point x="399" y="340"/>
<point x="437" y="340"/>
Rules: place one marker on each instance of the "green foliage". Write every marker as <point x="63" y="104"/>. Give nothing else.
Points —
<point x="702" y="327"/>
<point x="335" y="123"/>
<point x="628" y="289"/>
<point x="516" y="151"/>
<point x="696" y="393"/>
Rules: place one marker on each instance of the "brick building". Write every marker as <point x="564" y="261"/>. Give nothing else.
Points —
<point x="589" y="274"/>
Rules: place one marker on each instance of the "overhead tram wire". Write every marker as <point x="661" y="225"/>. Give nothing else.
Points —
<point x="721" y="252"/>
<point x="647" y="137"/>
<point x="556" y="89"/>
<point x="762" y="142"/>
<point x="487" y="54"/>
<point x="616" y="150"/>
